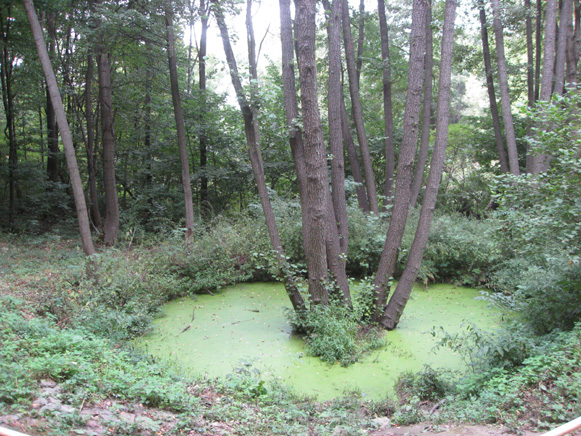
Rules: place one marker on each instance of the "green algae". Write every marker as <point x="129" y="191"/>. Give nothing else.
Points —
<point x="245" y="326"/>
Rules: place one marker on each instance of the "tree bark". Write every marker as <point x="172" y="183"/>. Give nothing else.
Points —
<point x="504" y="91"/>
<point x="530" y="75"/>
<point x="541" y="160"/>
<point x="353" y="159"/>
<point x="357" y="111"/>
<point x="538" y="47"/>
<point x="403" y="181"/>
<point x="252" y="140"/>
<point x="66" y="136"/>
<point x="572" y="48"/>
<point x="111" y="226"/>
<point x="334" y="115"/>
<point x="561" y="61"/>
<point x="387" y="106"/>
<point x="52" y="161"/>
<point x="426" y="113"/>
<point x="202" y="87"/>
<point x="491" y="93"/>
<point x="404" y="287"/>
<point x="180" y="124"/>
<point x="90" y="145"/>
<point x="6" y="69"/>
<point x="360" y="39"/>
<point x="314" y="152"/>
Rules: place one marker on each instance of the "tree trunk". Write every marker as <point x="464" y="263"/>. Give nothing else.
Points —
<point x="360" y="39"/>
<point x="292" y="109"/>
<point x="357" y="112"/>
<point x="8" y="101"/>
<point x="75" y="177"/>
<point x="530" y="76"/>
<point x="335" y="133"/>
<point x="52" y="161"/>
<point x="491" y="93"/>
<point x="541" y="161"/>
<point x="504" y="91"/>
<point x="90" y="144"/>
<point x="353" y="159"/>
<point x="538" y="47"/>
<point x="560" y="62"/>
<point x="572" y="49"/>
<point x="426" y="113"/>
<point x="111" y="226"/>
<point x="254" y="152"/>
<point x="180" y="125"/>
<point x="314" y="152"/>
<point x="403" y="181"/>
<point x="387" y="106"/>
<point x="202" y="86"/>
<point x="404" y="287"/>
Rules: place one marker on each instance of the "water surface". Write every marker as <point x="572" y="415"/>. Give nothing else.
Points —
<point x="245" y="326"/>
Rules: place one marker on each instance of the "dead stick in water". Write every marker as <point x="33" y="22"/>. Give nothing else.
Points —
<point x="237" y="322"/>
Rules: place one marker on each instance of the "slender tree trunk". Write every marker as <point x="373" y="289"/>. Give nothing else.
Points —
<point x="254" y="152"/>
<point x="530" y="75"/>
<point x="387" y="106"/>
<point x="405" y="163"/>
<point x="360" y="39"/>
<point x="538" y="47"/>
<point x="6" y="69"/>
<point x="202" y="85"/>
<point x="111" y="226"/>
<point x="180" y="124"/>
<point x="353" y="159"/>
<point x="404" y="287"/>
<point x="335" y="133"/>
<point x="357" y="111"/>
<point x="491" y="93"/>
<point x="292" y="109"/>
<point x="541" y="161"/>
<point x="572" y="47"/>
<point x="52" y="162"/>
<point x="75" y="177"/>
<point x="90" y="145"/>
<point x="426" y="113"/>
<point x="560" y="62"/>
<point x="504" y="91"/>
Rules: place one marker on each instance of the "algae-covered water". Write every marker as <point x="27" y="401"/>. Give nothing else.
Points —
<point x="245" y="326"/>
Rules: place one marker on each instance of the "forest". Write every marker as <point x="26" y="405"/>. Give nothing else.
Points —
<point x="368" y="159"/>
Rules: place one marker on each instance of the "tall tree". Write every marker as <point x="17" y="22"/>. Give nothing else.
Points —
<point x="387" y="262"/>
<point x="90" y="143"/>
<point x="6" y="77"/>
<point x="404" y="287"/>
<point x="179" y="119"/>
<point x="504" y="91"/>
<point x="204" y="11"/>
<point x="426" y="113"/>
<point x="52" y="159"/>
<point x="111" y="225"/>
<point x="387" y="105"/>
<point x="561" y="59"/>
<point x="334" y="115"/>
<point x="541" y="160"/>
<point x="75" y="178"/>
<point x="357" y="111"/>
<point x="254" y="151"/>
<point x="491" y="92"/>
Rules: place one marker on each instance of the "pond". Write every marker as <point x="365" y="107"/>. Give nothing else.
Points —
<point x="244" y="326"/>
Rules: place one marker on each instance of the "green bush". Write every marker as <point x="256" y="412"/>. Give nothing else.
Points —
<point x="427" y="385"/>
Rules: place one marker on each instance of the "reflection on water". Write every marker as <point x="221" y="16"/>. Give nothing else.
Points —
<point x="244" y="325"/>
